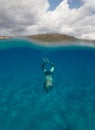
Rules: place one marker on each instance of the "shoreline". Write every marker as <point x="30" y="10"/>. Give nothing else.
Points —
<point x="16" y="43"/>
<point x="5" y="37"/>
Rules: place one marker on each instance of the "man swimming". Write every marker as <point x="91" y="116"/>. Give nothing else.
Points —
<point x="48" y="69"/>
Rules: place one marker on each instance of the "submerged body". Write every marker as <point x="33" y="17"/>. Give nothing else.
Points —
<point x="48" y="83"/>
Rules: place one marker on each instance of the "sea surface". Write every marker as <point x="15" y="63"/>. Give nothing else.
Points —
<point x="24" y="104"/>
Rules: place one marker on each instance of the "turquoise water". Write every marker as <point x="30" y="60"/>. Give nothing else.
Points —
<point x="24" y="105"/>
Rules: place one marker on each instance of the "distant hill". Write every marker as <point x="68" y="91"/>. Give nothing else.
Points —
<point x="52" y="37"/>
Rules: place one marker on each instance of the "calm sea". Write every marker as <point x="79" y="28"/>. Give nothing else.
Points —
<point x="24" y="105"/>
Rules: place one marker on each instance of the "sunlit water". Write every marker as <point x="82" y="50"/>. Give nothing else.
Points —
<point x="24" y="105"/>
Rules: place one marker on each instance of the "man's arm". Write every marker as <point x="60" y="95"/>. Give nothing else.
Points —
<point x="43" y="67"/>
<point x="52" y="67"/>
<point x="46" y="60"/>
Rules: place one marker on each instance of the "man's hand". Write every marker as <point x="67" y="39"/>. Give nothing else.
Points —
<point x="46" y="60"/>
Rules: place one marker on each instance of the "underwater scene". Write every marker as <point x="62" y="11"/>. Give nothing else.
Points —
<point x="24" y="103"/>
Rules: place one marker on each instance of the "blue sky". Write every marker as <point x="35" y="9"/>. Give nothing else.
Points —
<point x="72" y="3"/>
<point x="54" y="3"/>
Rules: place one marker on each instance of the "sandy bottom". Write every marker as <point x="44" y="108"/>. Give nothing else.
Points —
<point x="24" y="105"/>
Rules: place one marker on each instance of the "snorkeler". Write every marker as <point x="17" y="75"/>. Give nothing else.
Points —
<point x="48" y="83"/>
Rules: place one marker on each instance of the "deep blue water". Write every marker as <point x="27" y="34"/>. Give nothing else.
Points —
<point x="24" y="105"/>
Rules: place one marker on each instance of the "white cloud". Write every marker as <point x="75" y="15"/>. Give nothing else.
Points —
<point x="32" y="16"/>
<point x="89" y="4"/>
<point x="19" y="14"/>
<point x="77" y="22"/>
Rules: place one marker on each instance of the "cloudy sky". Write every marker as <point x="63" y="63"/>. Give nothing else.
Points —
<point x="72" y="17"/>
